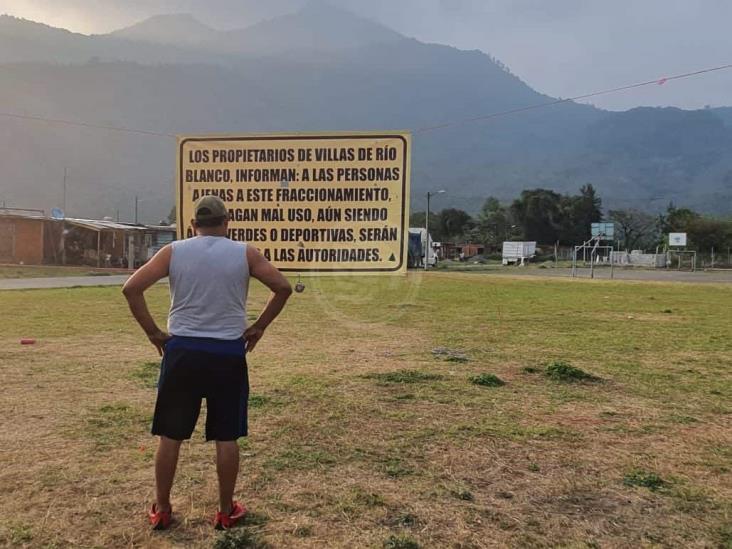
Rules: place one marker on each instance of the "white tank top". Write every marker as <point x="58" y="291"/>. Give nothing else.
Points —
<point x="209" y="282"/>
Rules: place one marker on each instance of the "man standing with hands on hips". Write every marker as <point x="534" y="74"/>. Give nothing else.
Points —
<point x="205" y="347"/>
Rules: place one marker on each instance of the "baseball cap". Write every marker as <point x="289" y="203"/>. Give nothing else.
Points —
<point x="209" y="207"/>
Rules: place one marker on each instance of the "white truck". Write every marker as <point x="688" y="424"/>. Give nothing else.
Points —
<point x="427" y="244"/>
<point x="518" y="252"/>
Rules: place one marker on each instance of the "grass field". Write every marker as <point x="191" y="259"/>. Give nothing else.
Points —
<point x="376" y="420"/>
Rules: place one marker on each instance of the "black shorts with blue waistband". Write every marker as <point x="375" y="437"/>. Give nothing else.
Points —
<point x="195" y="368"/>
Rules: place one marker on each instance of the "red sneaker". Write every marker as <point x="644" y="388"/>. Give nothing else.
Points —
<point x="160" y="520"/>
<point x="223" y="522"/>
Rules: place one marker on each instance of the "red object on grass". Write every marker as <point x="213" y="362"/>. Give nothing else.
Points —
<point x="27" y="341"/>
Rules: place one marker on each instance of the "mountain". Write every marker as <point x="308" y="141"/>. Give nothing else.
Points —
<point x="317" y="27"/>
<point x="179" y="29"/>
<point x="23" y="41"/>
<point x="316" y="70"/>
<point x="180" y="38"/>
<point x="725" y="113"/>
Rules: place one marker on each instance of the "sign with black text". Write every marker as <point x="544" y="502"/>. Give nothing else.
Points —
<point x="331" y="203"/>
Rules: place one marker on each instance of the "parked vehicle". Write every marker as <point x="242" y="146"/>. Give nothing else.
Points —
<point x="518" y="252"/>
<point x="421" y="236"/>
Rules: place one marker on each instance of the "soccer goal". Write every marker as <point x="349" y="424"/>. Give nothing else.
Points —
<point x="593" y="254"/>
<point x="681" y="260"/>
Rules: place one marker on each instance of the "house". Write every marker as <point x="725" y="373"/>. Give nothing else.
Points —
<point x="102" y="243"/>
<point x="159" y="236"/>
<point x="471" y="250"/>
<point x="106" y="243"/>
<point x="449" y="250"/>
<point x="29" y="237"/>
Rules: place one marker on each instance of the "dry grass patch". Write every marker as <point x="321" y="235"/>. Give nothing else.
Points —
<point x="360" y="438"/>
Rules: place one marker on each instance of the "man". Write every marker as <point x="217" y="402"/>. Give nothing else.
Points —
<point x="204" y="351"/>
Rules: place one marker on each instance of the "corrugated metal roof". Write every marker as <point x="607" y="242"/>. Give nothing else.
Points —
<point x="102" y="225"/>
<point x="25" y="214"/>
<point x="93" y="224"/>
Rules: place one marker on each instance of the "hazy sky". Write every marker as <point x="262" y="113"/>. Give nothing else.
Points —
<point x="559" y="47"/>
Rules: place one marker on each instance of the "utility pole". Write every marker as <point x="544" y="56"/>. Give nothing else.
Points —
<point x="136" y="201"/>
<point x="427" y="230"/>
<point x="64" y="200"/>
<point x="63" y="221"/>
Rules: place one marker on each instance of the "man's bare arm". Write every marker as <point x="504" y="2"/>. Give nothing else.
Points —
<point x="134" y="290"/>
<point x="267" y="274"/>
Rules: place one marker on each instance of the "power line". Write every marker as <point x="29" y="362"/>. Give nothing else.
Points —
<point x="84" y="124"/>
<point x="658" y="81"/>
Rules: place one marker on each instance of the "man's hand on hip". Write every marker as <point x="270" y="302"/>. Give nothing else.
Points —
<point x="159" y="339"/>
<point x="252" y="335"/>
<point x="264" y="271"/>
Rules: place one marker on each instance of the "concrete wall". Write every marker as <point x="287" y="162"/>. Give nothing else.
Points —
<point x="21" y="240"/>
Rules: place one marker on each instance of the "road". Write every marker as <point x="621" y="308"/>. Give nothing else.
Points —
<point x="61" y="282"/>
<point x="658" y="275"/>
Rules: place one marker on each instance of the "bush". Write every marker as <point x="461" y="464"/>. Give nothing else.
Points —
<point x="487" y="380"/>
<point x="404" y="376"/>
<point x="563" y="371"/>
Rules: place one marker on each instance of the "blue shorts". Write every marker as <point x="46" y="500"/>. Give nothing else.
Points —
<point x="196" y="368"/>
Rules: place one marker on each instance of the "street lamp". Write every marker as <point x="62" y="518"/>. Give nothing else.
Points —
<point x="427" y="229"/>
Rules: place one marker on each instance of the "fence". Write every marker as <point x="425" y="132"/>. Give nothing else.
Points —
<point x="638" y="259"/>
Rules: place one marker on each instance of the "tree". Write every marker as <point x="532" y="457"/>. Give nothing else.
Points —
<point x="454" y="223"/>
<point x="417" y="219"/>
<point x="635" y="230"/>
<point x="494" y="223"/>
<point x="579" y="212"/>
<point x="677" y="220"/>
<point x="706" y="233"/>
<point x="538" y="213"/>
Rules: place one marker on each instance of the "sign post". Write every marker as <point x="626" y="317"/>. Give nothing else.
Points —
<point x="312" y="203"/>
<point x="678" y="240"/>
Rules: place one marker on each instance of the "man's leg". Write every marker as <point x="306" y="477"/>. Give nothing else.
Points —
<point x="166" y="460"/>
<point x="227" y="467"/>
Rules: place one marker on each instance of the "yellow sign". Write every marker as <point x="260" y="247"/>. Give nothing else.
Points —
<point x="332" y="203"/>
